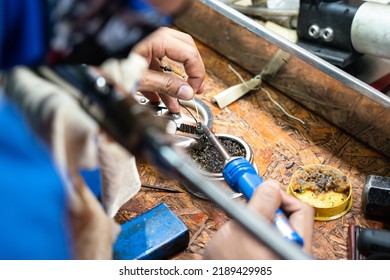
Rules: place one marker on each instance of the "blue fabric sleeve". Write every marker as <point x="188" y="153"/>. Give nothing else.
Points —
<point x="22" y="32"/>
<point x="146" y="8"/>
<point x="32" y="196"/>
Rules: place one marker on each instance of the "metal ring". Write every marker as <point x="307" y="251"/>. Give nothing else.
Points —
<point x="161" y="110"/>
<point x="217" y="178"/>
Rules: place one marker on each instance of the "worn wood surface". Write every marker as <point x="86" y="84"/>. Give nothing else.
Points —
<point x="331" y="95"/>
<point x="278" y="142"/>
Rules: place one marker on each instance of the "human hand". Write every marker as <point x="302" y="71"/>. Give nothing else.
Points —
<point x="181" y="48"/>
<point x="233" y="242"/>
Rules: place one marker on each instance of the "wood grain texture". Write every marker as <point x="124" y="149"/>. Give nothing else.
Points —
<point x="280" y="145"/>
<point x="332" y="99"/>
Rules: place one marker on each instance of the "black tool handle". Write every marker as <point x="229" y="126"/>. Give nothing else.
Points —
<point x="374" y="243"/>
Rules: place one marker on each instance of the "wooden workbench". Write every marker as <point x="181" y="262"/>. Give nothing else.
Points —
<point x="278" y="142"/>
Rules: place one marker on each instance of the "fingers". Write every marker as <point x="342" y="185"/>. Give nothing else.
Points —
<point x="171" y="103"/>
<point x="291" y="204"/>
<point x="301" y="216"/>
<point x="166" y="83"/>
<point x="266" y="199"/>
<point x="179" y="47"/>
<point x="169" y="86"/>
<point x="233" y="242"/>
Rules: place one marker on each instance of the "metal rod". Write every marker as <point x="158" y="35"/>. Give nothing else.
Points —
<point x="140" y="133"/>
<point x="216" y="143"/>
<point x="161" y="188"/>
<point x="255" y="224"/>
<point x="299" y="52"/>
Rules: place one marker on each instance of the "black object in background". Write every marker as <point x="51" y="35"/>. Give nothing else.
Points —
<point x="321" y="34"/>
<point x="376" y="197"/>
<point x="368" y="244"/>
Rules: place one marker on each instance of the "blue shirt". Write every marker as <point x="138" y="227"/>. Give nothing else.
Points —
<point x="22" y="32"/>
<point x="32" y="197"/>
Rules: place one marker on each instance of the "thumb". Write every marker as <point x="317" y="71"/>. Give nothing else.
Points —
<point x="266" y="199"/>
<point x="166" y="83"/>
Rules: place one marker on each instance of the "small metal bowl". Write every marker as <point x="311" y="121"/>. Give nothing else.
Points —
<point x="217" y="178"/>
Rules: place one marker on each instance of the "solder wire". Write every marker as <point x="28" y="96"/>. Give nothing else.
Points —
<point x="196" y="108"/>
<point x="189" y="112"/>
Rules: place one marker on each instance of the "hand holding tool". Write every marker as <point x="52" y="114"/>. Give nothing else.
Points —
<point x="144" y="135"/>
<point x="242" y="177"/>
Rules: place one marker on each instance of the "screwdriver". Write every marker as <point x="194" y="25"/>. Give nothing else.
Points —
<point x="242" y="177"/>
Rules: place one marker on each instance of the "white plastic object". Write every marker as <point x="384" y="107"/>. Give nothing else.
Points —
<point x="370" y="32"/>
<point x="233" y="93"/>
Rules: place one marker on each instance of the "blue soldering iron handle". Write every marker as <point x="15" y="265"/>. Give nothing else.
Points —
<point x="242" y="177"/>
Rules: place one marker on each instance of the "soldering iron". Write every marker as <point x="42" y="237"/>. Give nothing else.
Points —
<point x="140" y="132"/>
<point x="242" y="177"/>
